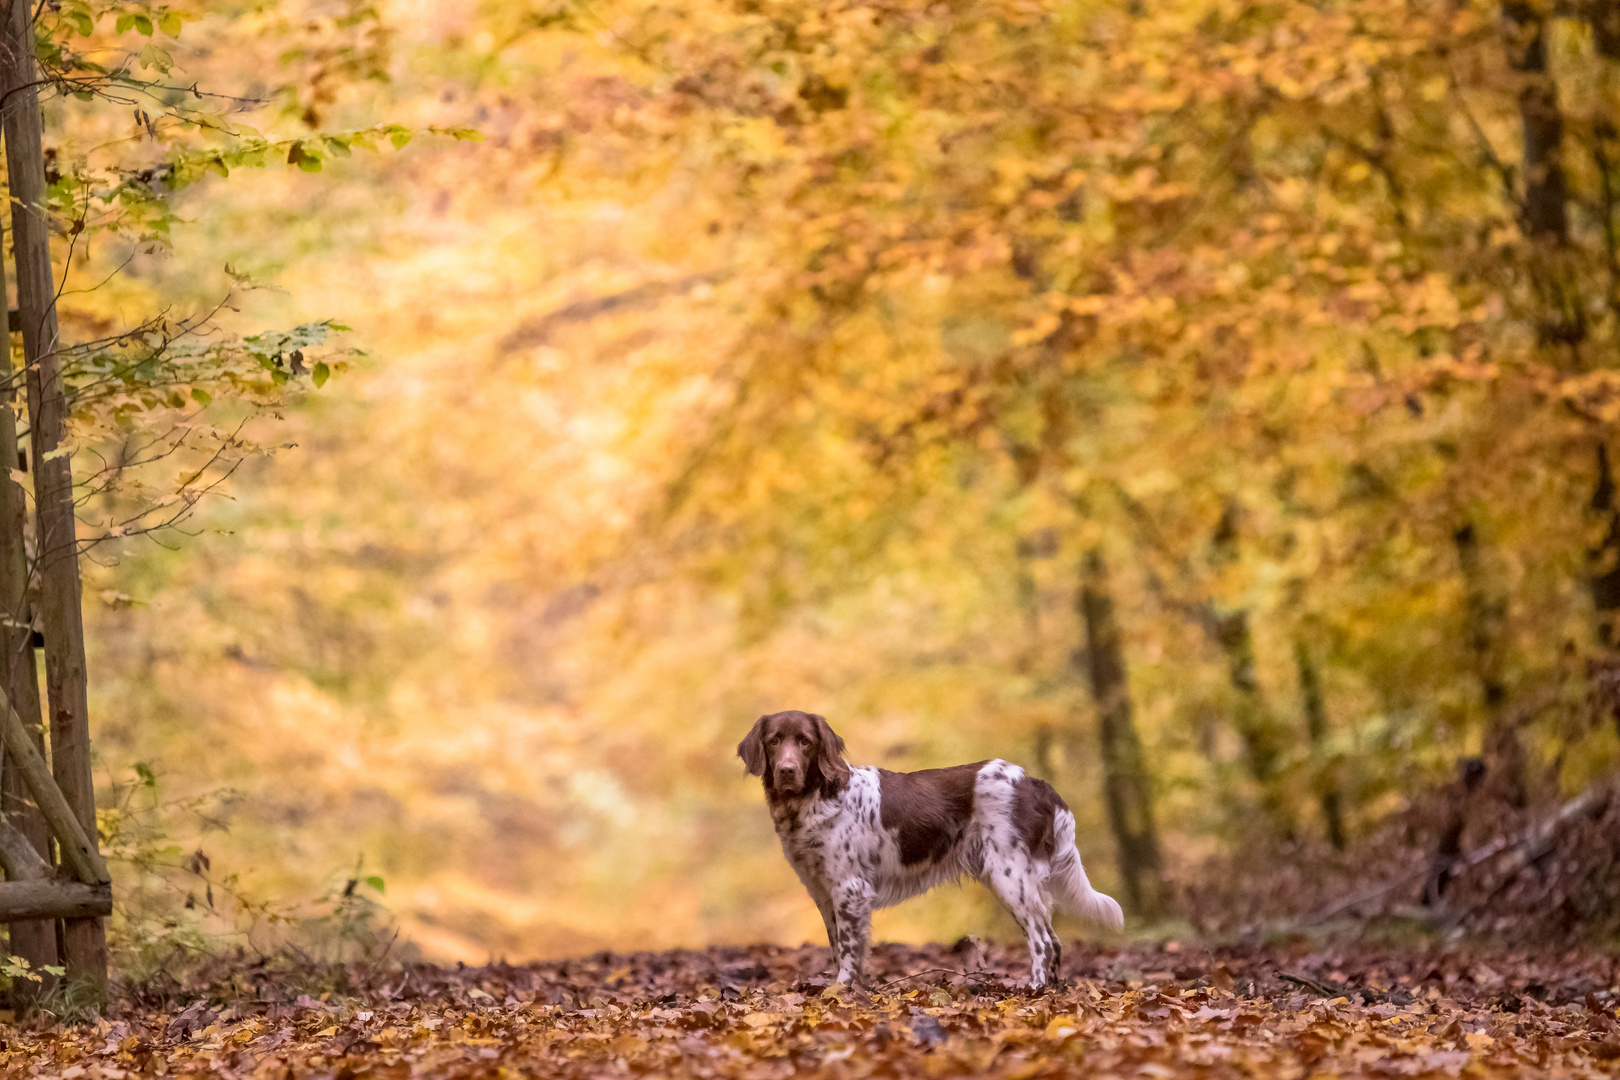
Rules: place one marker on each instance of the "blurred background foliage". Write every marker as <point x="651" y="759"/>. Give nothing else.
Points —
<point x="765" y="354"/>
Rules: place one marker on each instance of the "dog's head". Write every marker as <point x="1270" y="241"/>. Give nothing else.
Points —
<point x="797" y="753"/>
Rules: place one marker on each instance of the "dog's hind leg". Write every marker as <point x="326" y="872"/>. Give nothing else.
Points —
<point x="1018" y="883"/>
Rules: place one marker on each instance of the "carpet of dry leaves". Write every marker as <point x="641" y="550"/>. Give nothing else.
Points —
<point x="765" y="1012"/>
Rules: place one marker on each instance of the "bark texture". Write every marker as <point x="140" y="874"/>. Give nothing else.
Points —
<point x="1546" y="215"/>
<point x="1126" y="783"/>
<point x="1262" y="737"/>
<point x="34" y="941"/>
<point x="1327" y="785"/>
<point x="1485" y="628"/>
<point x="84" y="946"/>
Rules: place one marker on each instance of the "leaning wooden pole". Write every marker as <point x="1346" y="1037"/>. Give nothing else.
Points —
<point x="35" y="942"/>
<point x="84" y="941"/>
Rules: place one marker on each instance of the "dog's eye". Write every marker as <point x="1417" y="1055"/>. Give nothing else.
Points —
<point x="774" y="740"/>
<point x="801" y="740"/>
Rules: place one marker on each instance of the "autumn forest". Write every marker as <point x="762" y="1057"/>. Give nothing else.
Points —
<point x="443" y="428"/>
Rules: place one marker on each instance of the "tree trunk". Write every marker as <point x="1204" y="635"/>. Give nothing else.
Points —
<point x="1125" y="778"/>
<point x="1457" y="804"/>
<point x="1485" y="618"/>
<point x="1545" y="192"/>
<point x="1262" y="743"/>
<point x="1604" y="17"/>
<point x="34" y="941"/>
<point x="1544" y="214"/>
<point x="1327" y="785"/>
<point x="1257" y="728"/>
<point x="84" y="946"/>
<point x="1603" y="581"/>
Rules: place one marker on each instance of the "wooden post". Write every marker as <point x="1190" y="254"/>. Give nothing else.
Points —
<point x="84" y="942"/>
<point x="34" y="941"/>
<point x="78" y="850"/>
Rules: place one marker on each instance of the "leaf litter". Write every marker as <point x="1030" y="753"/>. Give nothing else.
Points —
<point x="1290" y="1009"/>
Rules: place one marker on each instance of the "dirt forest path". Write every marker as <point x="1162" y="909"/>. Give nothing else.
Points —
<point x="766" y="1012"/>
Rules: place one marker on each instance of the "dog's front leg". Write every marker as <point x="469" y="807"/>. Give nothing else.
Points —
<point x="853" y="915"/>
<point x="828" y="919"/>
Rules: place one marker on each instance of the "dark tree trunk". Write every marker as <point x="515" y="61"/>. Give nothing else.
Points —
<point x="1545" y="213"/>
<point x="1603" y="581"/>
<point x="1603" y="561"/>
<point x="1327" y="785"/>
<point x="1458" y="802"/>
<point x="1604" y="17"/>
<point x="35" y="940"/>
<point x="84" y="946"/>
<point x="1257" y="728"/>
<point x="1485" y="620"/>
<point x="1126" y="783"/>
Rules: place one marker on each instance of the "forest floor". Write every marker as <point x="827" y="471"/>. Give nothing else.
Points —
<point x="1288" y="1010"/>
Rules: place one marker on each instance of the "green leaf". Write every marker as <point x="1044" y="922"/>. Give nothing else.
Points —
<point x="125" y="21"/>
<point x="339" y="147"/>
<point x="399" y="139"/>
<point x="170" y="24"/>
<point x="217" y="164"/>
<point x="154" y="57"/>
<point x="81" y="21"/>
<point x="143" y="24"/>
<point x="318" y="376"/>
<point x="375" y="882"/>
<point x="201" y="396"/>
<point x="54" y="969"/>
<point x="144" y="771"/>
<point x="467" y="134"/>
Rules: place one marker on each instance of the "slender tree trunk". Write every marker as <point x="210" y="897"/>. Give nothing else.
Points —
<point x="1327" y="785"/>
<point x="1545" y="191"/>
<point x="1604" y="17"/>
<point x="1257" y="727"/>
<point x="1485" y="618"/>
<point x="1603" y="581"/>
<point x="34" y="941"/>
<point x="1125" y="778"/>
<point x="1603" y="561"/>
<point x="1455" y="811"/>
<point x="84" y="946"/>
<point x="1544" y="213"/>
<point x="1262" y="743"/>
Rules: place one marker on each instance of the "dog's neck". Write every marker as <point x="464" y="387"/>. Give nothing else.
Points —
<point x="787" y="809"/>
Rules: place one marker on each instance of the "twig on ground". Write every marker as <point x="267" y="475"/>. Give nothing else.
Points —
<point x="940" y="971"/>
<point x="1311" y="984"/>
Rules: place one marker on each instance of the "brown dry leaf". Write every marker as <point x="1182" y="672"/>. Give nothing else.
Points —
<point x="707" y="1014"/>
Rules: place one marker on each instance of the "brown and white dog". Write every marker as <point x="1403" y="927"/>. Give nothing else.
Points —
<point x="865" y="838"/>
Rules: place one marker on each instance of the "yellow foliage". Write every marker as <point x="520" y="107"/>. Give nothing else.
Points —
<point x="733" y="367"/>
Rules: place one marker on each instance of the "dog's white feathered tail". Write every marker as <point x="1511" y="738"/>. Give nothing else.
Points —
<point x="1071" y="889"/>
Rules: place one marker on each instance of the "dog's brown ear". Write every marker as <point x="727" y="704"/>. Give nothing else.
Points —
<point x="752" y="748"/>
<point x="830" y="752"/>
